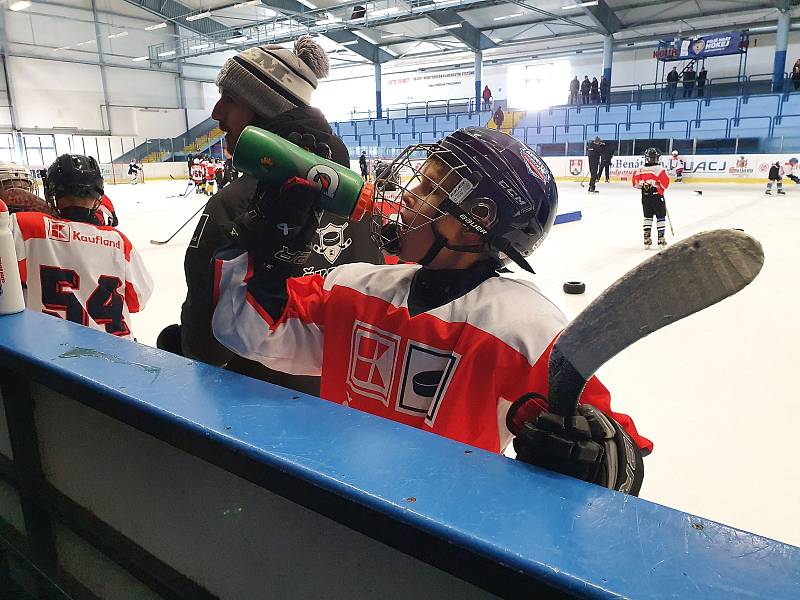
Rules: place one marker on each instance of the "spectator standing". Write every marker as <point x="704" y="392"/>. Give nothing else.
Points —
<point x="585" y="87"/>
<point x="672" y="82"/>
<point x="796" y="77"/>
<point x="595" y="152"/>
<point x="689" y="77"/>
<point x="574" y="86"/>
<point x="499" y="117"/>
<point x="362" y="163"/>
<point x="594" y="91"/>
<point x="487" y="97"/>
<point x="701" y="82"/>
<point x="605" y="90"/>
<point x="605" y="160"/>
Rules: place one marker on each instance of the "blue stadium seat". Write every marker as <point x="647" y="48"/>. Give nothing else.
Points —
<point x="635" y="131"/>
<point x="613" y="114"/>
<point x="750" y="127"/>
<point x="346" y="128"/>
<point x="369" y="140"/>
<point x="582" y="116"/>
<point x="428" y="137"/>
<point x="759" y="106"/>
<point x="789" y="125"/>
<point x="791" y="104"/>
<point x="530" y="119"/>
<point x="403" y="126"/>
<point x="365" y="127"/>
<point x="349" y="140"/>
<point x="671" y="129"/>
<point x="647" y="111"/>
<point x="553" y="116"/>
<point x="574" y="134"/>
<point x="680" y="110"/>
<point x="708" y="129"/>
<point x="543" y="136"/>
<point x="446" y="124"/>
<point x="718" y="108"/>
<point x="383" y="126"/>
<point x="425" y="124"/>
<point x="468" y="120"/>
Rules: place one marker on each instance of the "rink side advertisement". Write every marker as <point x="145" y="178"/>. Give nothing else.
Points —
<point x="717" y="168"/>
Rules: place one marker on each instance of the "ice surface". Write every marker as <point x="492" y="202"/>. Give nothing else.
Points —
<point x="715" y="392"/>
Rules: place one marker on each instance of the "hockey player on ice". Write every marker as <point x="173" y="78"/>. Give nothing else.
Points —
<point x="653" y="180"/>
<point x="775" y="175"/>
<point x="444" y="345"/>
<point x="133" y="172"/>
<point x="211" y="169"/>
<point x="677" y="165"/>
<point x="73" y="268"/>
<point x="198" y="176"/>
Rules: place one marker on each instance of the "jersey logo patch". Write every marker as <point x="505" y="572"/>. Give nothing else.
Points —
<point x="373" y="354"/>
<point x="332" y="241"/>
<point x="58" y="231"/>
<point x="427" y="372"/>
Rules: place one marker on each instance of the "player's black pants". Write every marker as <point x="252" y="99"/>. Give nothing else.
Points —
<point x="605" y="167"/>
<point x="654" y="206"/>
<point x="594" y="172"/>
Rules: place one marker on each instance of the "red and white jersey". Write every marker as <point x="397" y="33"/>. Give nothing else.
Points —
<point x="211" y="169"/>
<point x="453" y="370"/>
<point x="676" y="163"/>
<point x="197" y="173"/>
<point x="105" y="211"/>
<point x="88" y="274"/>
<point x="655" y="174"/>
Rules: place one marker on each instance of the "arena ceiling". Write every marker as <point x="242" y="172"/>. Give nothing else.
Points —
<point x="379" y="31"/>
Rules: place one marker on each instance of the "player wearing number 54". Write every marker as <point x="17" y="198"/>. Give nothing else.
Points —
<point x="74" y="268"/>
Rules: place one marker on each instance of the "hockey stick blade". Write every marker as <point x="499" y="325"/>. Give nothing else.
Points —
<point x="169" y="239"/>
<point x="679" y="281"/>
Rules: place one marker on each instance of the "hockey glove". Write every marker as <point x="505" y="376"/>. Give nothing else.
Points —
<point x="278" y="226"/>
<point x="590" y="445"/>
<point x="308" y="141"/>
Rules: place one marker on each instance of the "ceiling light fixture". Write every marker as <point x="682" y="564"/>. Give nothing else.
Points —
<point x="237" y="40"/>
<point x="350" y="43"/>
<point x="167" y="53"/>
<point x="202" y="46"/>
<point x="198" y="16"/>
<point x="159" y="26"/>
<point x="443" y="27"/>
<point x="21" y="5"/>
<point x="140" y="58"/>
<point x="504" y="17"/>
<point x="580" y="5"/>
<point x="114" y="36"/>
<point x="391" y="35"/>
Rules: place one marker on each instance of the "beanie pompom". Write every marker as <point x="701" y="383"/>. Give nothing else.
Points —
<point x="312" y="54"/>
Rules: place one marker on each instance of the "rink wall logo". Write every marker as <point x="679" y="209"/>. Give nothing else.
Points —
<point x="741" y="169"/>
<point x="575" y="166"/>
<point x="327" y="177"/>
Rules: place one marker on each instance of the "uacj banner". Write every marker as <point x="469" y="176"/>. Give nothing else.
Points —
<point x="718" y="44"/>
<point x="723" y="167"/>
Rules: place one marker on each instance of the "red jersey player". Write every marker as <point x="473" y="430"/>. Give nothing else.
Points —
<point x="444" y="345"/>
<point x="105" y="214"/>
<point x="73" y="268"/>
<point x="198" y="176"/>
<point x="653" y="180"/>
<point x="211" y="168"/>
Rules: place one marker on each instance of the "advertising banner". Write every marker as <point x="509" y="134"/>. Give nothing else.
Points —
<point x="718" y="44"/>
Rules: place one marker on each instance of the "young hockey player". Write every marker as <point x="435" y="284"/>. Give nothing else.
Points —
<point x="133" y="172"/>
<point x="653" y="180"/>
<point x="776" y="175"/>
<point x="73" y="268"/>
<point x="441" y="345"/>
<point x="211" y="168"/>
<point x="676" y="165"/>
<point x="219" y="174"/>
<point x="198" y="176"/>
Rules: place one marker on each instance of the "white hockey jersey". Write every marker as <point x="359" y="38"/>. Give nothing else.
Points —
<point x="197" y="173"/>
<point x="676" y="164"/>
<point x="88" y="274"/>
<point x="453" y="370"/>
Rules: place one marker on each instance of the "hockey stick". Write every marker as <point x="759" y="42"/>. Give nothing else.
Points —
<point x="185" y="192"/>
<point x="179" y="228"/>
<point x="584" y="179"/>
<point x="675" y="283"/>
<point x="669" y="220"/>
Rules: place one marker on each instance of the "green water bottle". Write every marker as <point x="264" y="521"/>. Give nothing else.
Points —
<point x="268" y="157"/>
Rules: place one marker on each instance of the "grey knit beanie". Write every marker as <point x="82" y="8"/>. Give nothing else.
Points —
<point x="272" y="79"/>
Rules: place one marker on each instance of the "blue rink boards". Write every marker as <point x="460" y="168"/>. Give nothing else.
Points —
<point x="503" y="526"/>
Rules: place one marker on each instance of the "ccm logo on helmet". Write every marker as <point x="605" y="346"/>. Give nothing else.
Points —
<point x="535" y="166"/>
<point x="326" y="177"/>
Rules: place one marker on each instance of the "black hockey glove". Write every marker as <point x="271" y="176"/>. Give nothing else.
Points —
<point x="590" y="445"/>
<point x="279" y="224"/>
<point x="308" y="141"/>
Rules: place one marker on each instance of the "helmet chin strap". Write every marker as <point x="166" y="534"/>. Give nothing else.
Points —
<point x="501" y="244"/>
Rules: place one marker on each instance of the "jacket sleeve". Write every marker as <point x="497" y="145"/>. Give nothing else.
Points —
<point x="245" y="318"/>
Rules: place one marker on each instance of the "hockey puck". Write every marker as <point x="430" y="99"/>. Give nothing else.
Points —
<point x="699" y="192"/>
<point x="574" y="287"/>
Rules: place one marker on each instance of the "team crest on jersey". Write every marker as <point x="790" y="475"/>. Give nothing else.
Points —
<point x="426" y="375"/>
<point x="535" y="165"/>
<point x="576" y="166"/>
<point x="58" y="230"/>
<point x="332" y="241"/>
<point x="327" y="177"/>
<point x="373" y="354"/>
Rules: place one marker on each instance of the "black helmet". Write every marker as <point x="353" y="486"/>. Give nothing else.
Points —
<point x="73" y="175"/>
<point x="651" y="156"/>
<point x="497" y="187"/>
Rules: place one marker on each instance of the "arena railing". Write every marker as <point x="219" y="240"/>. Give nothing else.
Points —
<point x="126" y="471"/>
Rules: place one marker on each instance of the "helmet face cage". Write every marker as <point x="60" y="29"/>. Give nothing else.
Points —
<point x="417" y="181"/>
<point x="15" y="177"/>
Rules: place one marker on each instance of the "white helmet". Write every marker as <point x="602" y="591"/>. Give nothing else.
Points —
<point x="674" y="153"/>
<point x="197" y="161"/>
